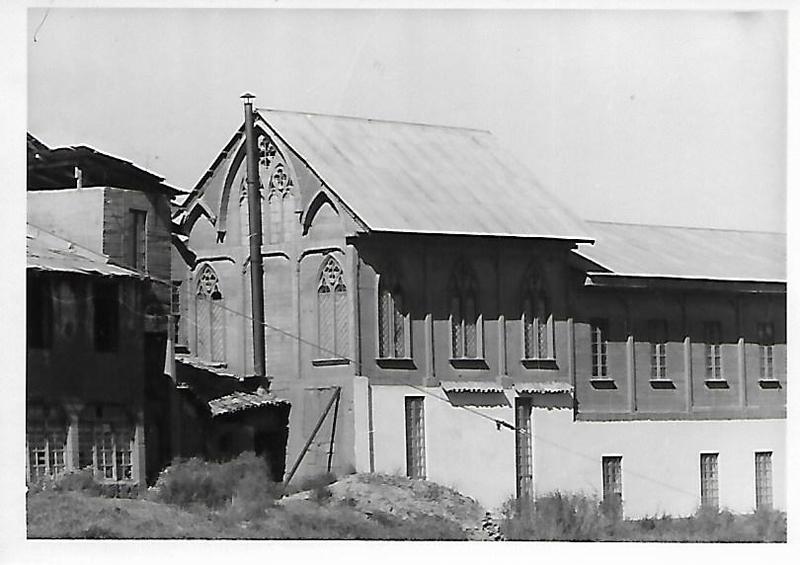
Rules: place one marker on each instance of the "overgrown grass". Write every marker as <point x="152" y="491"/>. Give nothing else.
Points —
<point x="233" y="500"/>
<point x="573" y="517"/>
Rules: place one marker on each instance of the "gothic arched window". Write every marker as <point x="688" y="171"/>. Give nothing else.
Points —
<point x="332" y="311"/>
<point x="537" y="320"/>
<point x="280" y="198"/>
<point x="209" y="317"/>
<point x="466" y="323"/>
<point x="394" y="328"/>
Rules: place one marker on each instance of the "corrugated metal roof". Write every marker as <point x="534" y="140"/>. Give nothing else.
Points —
<point x="402" y="177"/>
<point x="667" y="251"/>
<point x="48" y="252"/>
<point x="470" y="386"/>
<point x="238" y="401"/>
<point x="549" y="387"/>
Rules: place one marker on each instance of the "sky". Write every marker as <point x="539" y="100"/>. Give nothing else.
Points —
<point x="675" y="118"/>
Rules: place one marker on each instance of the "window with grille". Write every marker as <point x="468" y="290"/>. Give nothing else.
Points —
<point x="415" y="437"/>
<point x="332" y="311"/>
<point x="175" y="310"/>
<point x="465" y="322"/>
<point x="524" y="452"/>
<point x="763" y="480"/>
<point x="713" y="353"/>
<point x="106" y="315"/>
<point x="658" y="349"/>
<point x="393" y="322"/>
<point x="612" y="481"/>
<point x="209" y="317"/>
<point x="599" y="331"/>
<point x="39" y="321"/>
<point x="112" y="448"/>
<point x="538" y="342"/>
<point x="766" y="345"/>
<point x="709" y="480"/>
<point x="137" y="240"/>
<point x="46" y="441"/>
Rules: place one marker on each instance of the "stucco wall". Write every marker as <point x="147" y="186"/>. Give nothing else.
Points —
<point x="462" y="449"/>
<point x="660" y="460"/>
<point x="76" y="215"/>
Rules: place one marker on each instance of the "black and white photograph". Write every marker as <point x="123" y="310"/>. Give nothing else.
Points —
<point x="384" y="272"/>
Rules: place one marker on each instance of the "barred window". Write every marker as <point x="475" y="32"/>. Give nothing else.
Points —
<point x="46" y="441"/>
<point x="524" y="452"/>
<point x="105" y="444"/>
<point x="332" y="311"/>
<point x="465" y="323"/>
<point x="766" y="345"/>
<point x="709" y="480"/>
<point x="712" y="350"/>
<point x="393" y="321"/>
<point x="599" y="331"/>
<point x="658" y="349"/>
<point x="209" y="317"/>
<point x="537" y="321"/>
<point x="612" y="480"/>
<point x="415" y="437"/>
<point x="763" y="480"/>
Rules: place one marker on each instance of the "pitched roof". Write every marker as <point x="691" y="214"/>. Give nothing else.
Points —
<point x="48" y="252"/>
<point x="682" y="252"/>
<point x="403" y="177"/>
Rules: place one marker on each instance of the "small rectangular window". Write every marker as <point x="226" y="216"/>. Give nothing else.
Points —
<point x="709" y="480"/>
<point x="766" y="346"/>
<point x="599" y="329"/>
<point x="39" y="301"/>
<point x="712" y="353"/>
<point x="415" y="437"/>
<point x="106" y="316"/>
<point x="658" y="349"/>
<point x="763" y="480"/>
<point x="523" y="450"/>
<point x="137" y="240"/>
<point x="175" y="310"/>
<point x="612" y="481"/>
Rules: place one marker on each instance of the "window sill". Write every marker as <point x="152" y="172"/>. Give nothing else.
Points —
<point x="395" y="363"/>
<point x="330" y="362"/>
<point x="769" y="383"/>
<point x="717" y="383"/>
<point x="604" y="383"/>
<point x="469" y="363"/>
<point x="540" y="364"/>
<point x="662" y="383"/>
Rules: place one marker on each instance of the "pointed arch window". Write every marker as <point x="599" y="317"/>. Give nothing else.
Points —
<point x="280" y="195"/>
<point x="394" y="326"/>
<point x="538" y="339"/>
<point x="209" y="317"/>
<point x="332" y="312"/>
<point x="466" y="324"/>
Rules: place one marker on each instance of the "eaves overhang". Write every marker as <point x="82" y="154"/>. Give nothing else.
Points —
<point x="661" y="282"/>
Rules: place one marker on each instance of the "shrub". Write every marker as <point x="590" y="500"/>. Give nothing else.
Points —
<point x="557" y="516"/>
<point x="243" y="482"/>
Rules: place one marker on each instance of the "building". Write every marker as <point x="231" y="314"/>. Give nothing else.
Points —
<point x="85" y="402"/>
<point x="431" y="310"/>
<point x="120" y="212"/>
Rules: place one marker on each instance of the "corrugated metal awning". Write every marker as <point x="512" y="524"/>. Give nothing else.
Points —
<point x="49" y="252"/>
<point x="471" y="386"/>
<point x="549" y="387"/>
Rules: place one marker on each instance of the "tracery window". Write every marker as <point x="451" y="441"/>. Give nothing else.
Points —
<point x="465" y="321"/>
<point x="394" y="339"/>
<point x="209" y="317"/>
<point x="537" y="320"/>
<point x="280" y="194"/>
<point x="332" y="311"/>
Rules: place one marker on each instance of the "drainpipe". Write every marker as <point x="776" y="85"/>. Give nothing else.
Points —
<point x="256" y="263"/>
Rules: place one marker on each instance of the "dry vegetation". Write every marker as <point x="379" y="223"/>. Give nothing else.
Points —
<point x="236" y="500"/>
